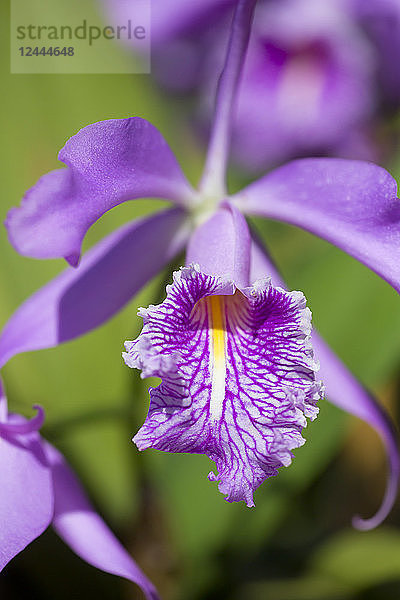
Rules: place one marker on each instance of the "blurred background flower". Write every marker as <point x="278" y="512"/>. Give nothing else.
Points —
<point x="319" y="78"/>
<point x="298" y="543"/>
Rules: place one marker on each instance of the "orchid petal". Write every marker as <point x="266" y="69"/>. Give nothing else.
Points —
<point x="347" y="393"/>
<point x="221" y="246"/>
<point x="109" y="275"/>
<point x="77" y="523"/>
<point x="24" y="427"/>
<point x="107" y="163"/>
<point x="26" y="499"/>
<point x="352" y="204"/>
<point x="238" y="377"/>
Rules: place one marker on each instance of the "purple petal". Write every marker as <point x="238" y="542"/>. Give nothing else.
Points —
<point x="77" y="523"/>
<point x="26" y="499"/>
<point x="24" y="427"/>
<point x="352" y="204"/>
<point x="307" y="86"/>
<point x="238" y="377"/>
<point x="347" y="393"/>
<point x="109" y="275"/>
<point x="108" y="163"/>
<point x="221" y="246"/>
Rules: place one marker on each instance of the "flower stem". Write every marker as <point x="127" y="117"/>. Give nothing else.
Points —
<point x="213" y="181"/>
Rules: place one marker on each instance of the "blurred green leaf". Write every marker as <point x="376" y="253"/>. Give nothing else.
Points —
<point x="295" y="589"/>
<point x="360" y="559"/>
<point x="252" y="528"/>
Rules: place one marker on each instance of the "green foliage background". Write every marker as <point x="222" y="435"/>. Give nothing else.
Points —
<point x="297" y="544"/>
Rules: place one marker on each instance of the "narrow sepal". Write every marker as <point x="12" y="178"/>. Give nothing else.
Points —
<point x="346" y="392"/>
<point x="85" y="532"/>
<point x="110" y="274"/>
<point x="350" y="203"/>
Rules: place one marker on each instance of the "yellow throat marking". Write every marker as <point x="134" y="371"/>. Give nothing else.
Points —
<point x="217" y="328"/>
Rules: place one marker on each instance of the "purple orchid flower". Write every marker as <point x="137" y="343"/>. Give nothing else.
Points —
<point x="308" y="84"/>
<point x="311" y="71"/>
<point x="231" y="347"/>
<point x="237" y="367"/>
<point x="38" y="488"/>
